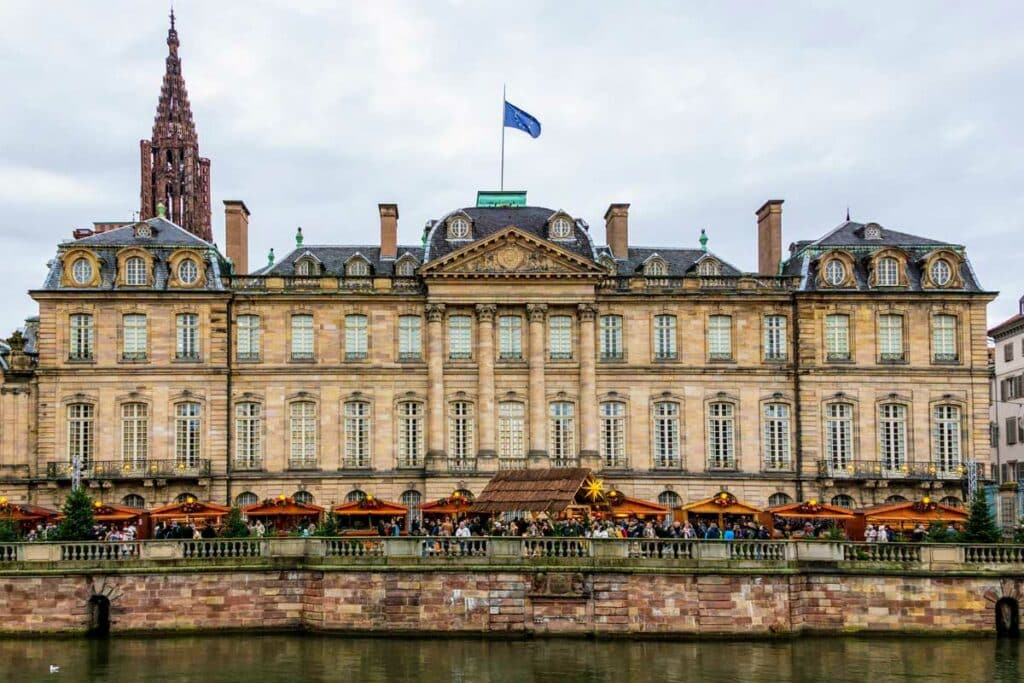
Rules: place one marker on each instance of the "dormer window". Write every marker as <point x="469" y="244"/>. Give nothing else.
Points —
<point x="709" y="267"/>
<point x="835" y="272"/>
<point x="458" y="228"/>
<point x="357" y="268"/>
<point x="81" y="271"/>
<point x="655" y="268"/>
<point x="888" y="272"/>
<point x="406" y="268"/>
<point x="941" y="272"/>
<point x="305" y="268"/>
<point x="608" y="263"/>
<point x="561" y="228"/>
<point x="135" y="270"/>
<point x="872" y="231"/>
<point x="188" y="272"/>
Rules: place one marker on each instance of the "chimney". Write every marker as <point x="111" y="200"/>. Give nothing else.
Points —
<point x="236" y="234"/>
<point x="388" y="230"/>
<point x="769" y="237"/>
<point x="616" y="225"/>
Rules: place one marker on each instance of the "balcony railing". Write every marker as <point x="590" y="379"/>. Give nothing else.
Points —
<point x="461" y="464"/>
<point x="144" y="469"/>
<point x="877" y="469"/>
<point x="512" y="463"/>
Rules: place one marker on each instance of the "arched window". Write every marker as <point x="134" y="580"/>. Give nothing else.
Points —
<point x="357" y="434"/>
<point x="511" y="435"/>
<point x="562" y="434"/>
<point x="844" y="501"/>
<point x="357" y="268"/>
<point x="667" y="453"/>
<point x="946" y="438"/>
<point x="306" y="267"/>
<point x="406" y="268"/>
<point x="303" y="428"/>
<point x="892" y="436"/>
<point x="892" y="500"/>
<point x="721" y="436"/>
<point x="708" y="267"/>
<point x="777" y="499"/>
<point x="187" y="434"/>
<point x="613" y="433"/>
<point x="354" y="496"/>
<point x="952" y="501"/>
<point x="186" y="497"/>
<point x="133" y="500"/>
<point x="835" y="272"/>
<point x="246" y="498"/>
<point x="134" y="434"/>
<point x="248" y="436"/>
<point x="458" y="229"/>
<point x="412" y="499"/>
<point x="670" y="499"/>
<point x="135" y="270"/>
<point x="81" y="417"/>
<point x="561" y="228"/>
<point x="303" y="497"/>
<point x="655" y="268"/>
<point x="887" y="274"/>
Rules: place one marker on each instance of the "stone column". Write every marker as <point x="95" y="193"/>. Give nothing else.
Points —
<point x="435" y="381"/>
<point x="486" y="453"/>
<point x="538" y="455"/>
<point x="589" y="455"/>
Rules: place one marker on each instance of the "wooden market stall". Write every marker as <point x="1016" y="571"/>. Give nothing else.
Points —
<point x="908" y="514"/>
<point x="120" y="516"/>
<point x="812" y="511"/>
<point x="190" y="512"/>
<point x="455" y="506"/>
<point x="26" y="516"/>
<point x="283" y="513"/>
<point x="361" y="516"/>
<point x="722" y="508"/>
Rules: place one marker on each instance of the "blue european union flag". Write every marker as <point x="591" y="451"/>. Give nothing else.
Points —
<point x="517" y="118"/>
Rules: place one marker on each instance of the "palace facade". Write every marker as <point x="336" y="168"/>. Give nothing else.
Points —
<point x="852" y="368"/>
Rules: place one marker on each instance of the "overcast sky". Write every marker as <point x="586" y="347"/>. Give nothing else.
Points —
<point x="908" y="113"/>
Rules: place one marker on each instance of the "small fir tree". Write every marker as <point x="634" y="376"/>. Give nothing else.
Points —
<point x="980" y="527"/>
<point x="8" y="530"/>
<point x="937" y="533"/>
<point x="235" y="526"/>
<point x="330" y="525"/>
<point x="78" y="518"/>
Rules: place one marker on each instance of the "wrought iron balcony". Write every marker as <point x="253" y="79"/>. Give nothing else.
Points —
<point x="144" y="469"/>
<point x="876" y="469"/>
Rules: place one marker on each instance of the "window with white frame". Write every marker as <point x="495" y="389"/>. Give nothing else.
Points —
<point x="779" y="498"/>
<point x="839" y="436"/>
<point x="892" y="436"/>
<point x="187" y="341"/>
<point x="135" y="271"/>
<point x="248" y="436"/>
<point x="134" y="500"/>
<point x="560" y="337"/>
<point x="775" y="341"/>
<point x="720" y="337"/>
<point x="458" y="228"/>
<point x="248" y="337"/>
<point x="81" y="418"/>
<point x="406" y="268"/>
<point x="611" y="337"/>
<point x="81" y="337"/>
<point x="511" y="434"/>
<point x="665" y="337"/>
<point x="887" y="274"/>
<point x="303" y="432"/>
<point x="655" y="268"/>
<point x="357" y="267"/>
<point x="613" y="433"/>
<point x="305" y="267"/>
<point x="188" y="272"/>
<point x="667" y="449"/>
<point x="562" y="434"/>
<point x="81" y="271"/>
<point x="561" y="228"/>
<point x="721" y="436"/>
<point x="835" y="272"/>
<point x="669" y="499"/>
<point x="844" y="501"/>
<point x="412" y="499"/>
<point x="890" y="337"/>
<point x="410" y="434"/>
<point x="944" y="338"/>
<point x="941" y="272"/>
<point x="302" y="337"/>
<point x="410" y="337"/>
<point x="837" y="337"/>
<point x="134" y="434"/>
<point x="187" y="433"/>
<point x="775" y="441"/>
<point x="355" y="495"/>
<point x="303" y="497"/>
<point x="460" y="337"/>
<point x="357" y="434"/>
<point x="134" y="329"/>
<point x="460" y="434"/>
<point x="946" y="438"/>
<point x="510" y="337"/>
<point x="356" y="333"/>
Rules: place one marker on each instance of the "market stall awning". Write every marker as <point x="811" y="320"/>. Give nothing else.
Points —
<point x="108" y="512"/>
<point x="811" y="510"/>
<point x="282" y="507"/>
<point x="25" y="512"/>
<point x="627" y="506"/>
<point x="924" y="512"/>
<point x="723" y="503"/>
<point x="544" y="490"/>
<point x="190" y="510"/>
<point x="455" y="504"/>
<point x="371" y="506"/>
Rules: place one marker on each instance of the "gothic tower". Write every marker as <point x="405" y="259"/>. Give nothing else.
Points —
<point x="173" y="173"/>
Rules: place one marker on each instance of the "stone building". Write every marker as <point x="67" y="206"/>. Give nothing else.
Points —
<point x="852" y="368"/>
<point x="1007" y="415"/>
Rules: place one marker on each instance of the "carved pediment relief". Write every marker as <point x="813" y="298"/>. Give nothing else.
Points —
<point x="512" y="253"/>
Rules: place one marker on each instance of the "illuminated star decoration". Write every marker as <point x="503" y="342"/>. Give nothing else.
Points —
<point x="594" y="489"/>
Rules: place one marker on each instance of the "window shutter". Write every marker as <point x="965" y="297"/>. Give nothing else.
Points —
<point x="1011" y="431"/>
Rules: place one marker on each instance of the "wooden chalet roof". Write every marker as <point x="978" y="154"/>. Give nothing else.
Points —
<point x="25" y="512"/>
<point x="195" y="510"/>
<point x="274" y="507"/>
<point x="638" y="507"/>
<point x="731" y="506"/>
<point x="547" y="490"/>
<point x="375" y="506"/>
<point x="809" y="511"/>
<point x="108" y="512"/>
<point x="918" y="513"/>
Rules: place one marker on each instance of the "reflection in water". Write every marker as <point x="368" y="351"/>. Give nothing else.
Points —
<point x="273" y="658"/>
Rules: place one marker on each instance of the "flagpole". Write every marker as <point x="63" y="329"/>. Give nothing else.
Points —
<point x="502" y="137"/>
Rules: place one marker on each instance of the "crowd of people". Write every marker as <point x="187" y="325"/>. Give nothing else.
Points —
<point x="631" y="527"/>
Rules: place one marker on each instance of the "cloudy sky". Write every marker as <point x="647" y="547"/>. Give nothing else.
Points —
<point x="908" y="113"/>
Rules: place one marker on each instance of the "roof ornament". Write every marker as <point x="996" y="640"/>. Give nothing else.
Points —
<point x="847" y="214"/>
<point x="703" y="240"/>
<point x="161" y="210"/>
<point x="270" y="257"/>
<point x="298" y="236"/>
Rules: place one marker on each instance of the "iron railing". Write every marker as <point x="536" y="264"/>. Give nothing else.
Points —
<point x="139" y="469"/>
<point x="877" y="469"/>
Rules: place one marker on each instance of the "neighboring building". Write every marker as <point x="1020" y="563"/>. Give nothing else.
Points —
<point x="1007" y="416"/>
<point x="854" y="370"/>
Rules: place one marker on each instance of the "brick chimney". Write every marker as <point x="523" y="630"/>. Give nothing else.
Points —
<point x="769" y="237"/>
<point x="616" y="226"/>
<point x="388" y="230"/>
<point x="236" y="233"/>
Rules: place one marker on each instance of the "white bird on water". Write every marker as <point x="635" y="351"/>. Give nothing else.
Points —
<point x="54" y="668"/>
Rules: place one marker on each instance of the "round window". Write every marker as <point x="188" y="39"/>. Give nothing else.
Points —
<point x="835" y="272"/>
<point x="941" y="272"/>
<point x="561" y="228"/>
<point x="459" y="228"/>
<point x="81" y="271"/>
<point x="188" y="272"/>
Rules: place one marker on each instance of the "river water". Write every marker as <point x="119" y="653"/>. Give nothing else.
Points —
<point x="295" y="658"/>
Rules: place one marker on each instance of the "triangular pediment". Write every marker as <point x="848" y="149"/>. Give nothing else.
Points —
<point x="514" y="253"/>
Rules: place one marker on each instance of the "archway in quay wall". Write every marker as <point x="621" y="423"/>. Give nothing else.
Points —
<point x="1008" y="617"/>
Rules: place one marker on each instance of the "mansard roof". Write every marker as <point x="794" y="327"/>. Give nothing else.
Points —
<point x="164" y="234"/>
<point x="334" y="257"/>
<point x="679" y="261"/>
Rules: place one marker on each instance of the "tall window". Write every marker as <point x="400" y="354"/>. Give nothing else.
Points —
<point x="946" y="438"/>
<point x="135" y="271"/>
<point x="611" y="337"/>
<point x="187" y="325"/>
<point x="667" y="451"/>
<point x="664" y="337"/>
<point x="944" y="338"/>
<point x="511" y="434"/>
<point x="357" y="434"/>
<point x="720" y="337"/>
<point x="839" y="436"/>
<point x="187" y="431"/>
<point x="81" y="337"/>
<point x="721" y="436"/>
<point x="613" y="433"/>
<point x="890" y="337"/>
<point x="775" y="337"/>
<point x="355" y="337"/>
<point x="134" y="333"/>
<point x="562" y="434"/>
<point x="410" y="434"/>
<point x="560" y="337"/>
<point x="412" y="499"/>
<point x="888" y="272"/>
<point x="892" y="436"/>
<point x="459" y="331"/>
<point x="248" y="436"/>
<point x="81" y="417"/>
<point x="410" y="343"/>
<point x="302" y="337"/>
<point x="510" y="337"/>
<point x="460" y="434"/>
<point x="776" y="436"/>
<point x="302" y="452"/>
<point x="837" y="337"/>
<point x="134" y="434"/>
<point x="248" y="337"/>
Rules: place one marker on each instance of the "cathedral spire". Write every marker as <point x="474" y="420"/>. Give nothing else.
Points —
<point x="173" y="173"/>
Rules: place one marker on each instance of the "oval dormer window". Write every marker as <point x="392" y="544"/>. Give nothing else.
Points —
<point x="458" y="229"/>
<point x="561" y="228"/>
<point x="81" y="271"/>
<point x="941" y="272"/>
<point x="188" y="272"/>
<point x="835" y="272"/>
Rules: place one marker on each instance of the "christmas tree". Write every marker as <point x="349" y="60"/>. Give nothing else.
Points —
<point x="78" y="520"/>
<point x="980" y="527"/>
<point x="235" y="527"/>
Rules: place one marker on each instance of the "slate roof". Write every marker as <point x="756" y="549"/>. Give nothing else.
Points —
<point x="680" y="262"/>
<point x="164" y="233"/>
<point x="333" y="258"/>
